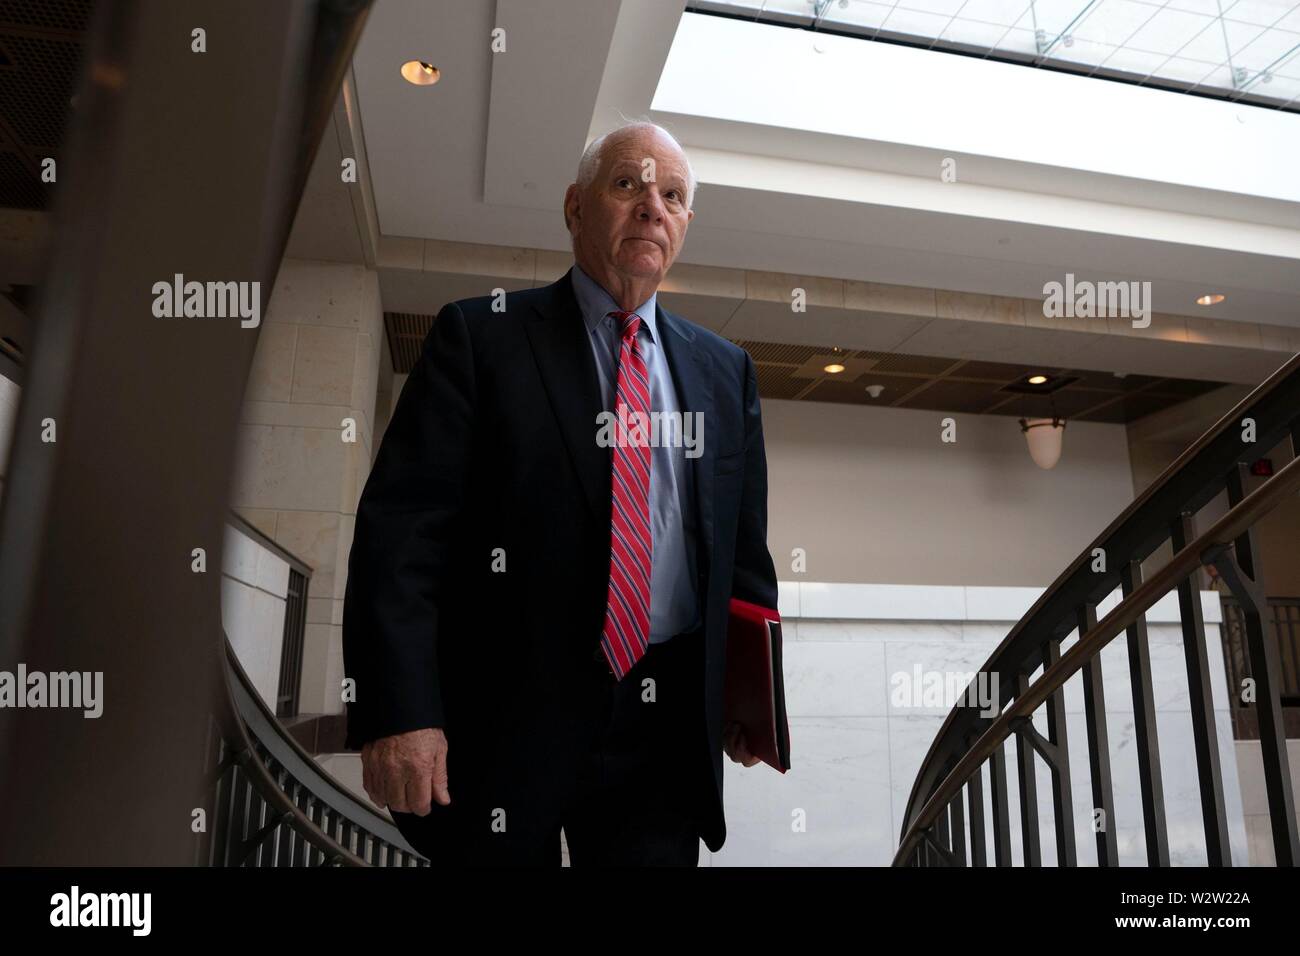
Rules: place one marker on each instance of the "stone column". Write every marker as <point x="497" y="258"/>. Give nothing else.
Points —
<point x="318" y="362"/>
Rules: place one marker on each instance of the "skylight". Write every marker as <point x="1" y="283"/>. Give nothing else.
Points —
<point x="1241" y="50"/>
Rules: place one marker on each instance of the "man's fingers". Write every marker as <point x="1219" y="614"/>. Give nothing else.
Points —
<point x="743" y="753"/>
<point x="440" y="791"/>
<point x="729" y="734"/>
<point x="395" y="788"/>
<point x="417" y="793"/>
<point x="406" y="771"/>
<point x="365" y="773"/>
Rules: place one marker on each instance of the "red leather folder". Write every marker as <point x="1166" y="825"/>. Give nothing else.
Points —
<point x="755" y="687"/>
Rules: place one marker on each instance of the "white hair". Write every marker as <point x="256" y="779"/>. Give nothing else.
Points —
<point x="589" y="164"/>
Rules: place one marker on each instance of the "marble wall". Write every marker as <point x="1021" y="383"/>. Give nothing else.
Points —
<point x="254" y="586"/>
<point x="1254" y="797"/>
<point x="296" y="480"/>
<point x="857" y="741"/>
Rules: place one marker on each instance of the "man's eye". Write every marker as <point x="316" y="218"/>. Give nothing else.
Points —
<point x="624" y="179"/>
<point x="674" y="195"/>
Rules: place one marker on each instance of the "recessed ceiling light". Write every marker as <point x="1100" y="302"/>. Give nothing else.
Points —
<point x="1212" y="299"/>
<point x="834" y="368"/>
<point x="1038" y="380"/>
<point x="420" y="73"/>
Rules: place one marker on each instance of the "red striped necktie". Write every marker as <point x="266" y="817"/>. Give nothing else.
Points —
<point x="627" y="612"/>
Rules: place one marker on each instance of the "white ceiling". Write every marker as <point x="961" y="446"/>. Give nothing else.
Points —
<point x="484" y="156"/>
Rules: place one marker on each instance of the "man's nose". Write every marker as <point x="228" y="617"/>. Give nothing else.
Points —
<point x="651" y="209"/>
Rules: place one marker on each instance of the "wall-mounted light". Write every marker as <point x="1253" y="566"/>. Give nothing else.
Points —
<point x="1213" y="298"/>
<point x="420" y="73"/>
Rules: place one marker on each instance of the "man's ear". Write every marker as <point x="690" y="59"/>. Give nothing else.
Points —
<point x="571" y="207"/>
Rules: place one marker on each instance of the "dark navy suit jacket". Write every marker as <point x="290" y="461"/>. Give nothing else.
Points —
<point x="492" y="445"/>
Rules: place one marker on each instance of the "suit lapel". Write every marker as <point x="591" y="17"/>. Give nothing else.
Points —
<point x="692" y="371"/>
<point x="562" y="350"/>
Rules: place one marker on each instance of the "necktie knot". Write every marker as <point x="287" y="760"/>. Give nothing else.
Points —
<point x="631" y="323"/>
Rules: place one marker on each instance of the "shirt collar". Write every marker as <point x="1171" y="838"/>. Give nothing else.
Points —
<point x="596" y="303"/>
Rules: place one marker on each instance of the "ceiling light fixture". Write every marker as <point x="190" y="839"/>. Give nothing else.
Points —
<point x="834" y="368"/>
<point x="1213" y="298"/>
<point x="1044" y="438"/>
<point x="875" y="391"/>
<point x="420" y="73"/>
<point x="1037" y="380"/>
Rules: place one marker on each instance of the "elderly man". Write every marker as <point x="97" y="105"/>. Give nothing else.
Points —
<point x="536" y="614"/>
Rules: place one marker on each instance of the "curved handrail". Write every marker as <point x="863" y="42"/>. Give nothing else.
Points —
<point x="1225" y="531"/>
<point x="1188" y="483"/>
<point x="256" y="741"/>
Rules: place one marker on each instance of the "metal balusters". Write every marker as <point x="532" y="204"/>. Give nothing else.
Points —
<point x="1201" y="700"/>
<point x="284" y="835"/>
<point x="1144" y="720"/>
<point x="1240" y="571"/>
<point x="941" y="830"/>
<point x="1094" y="710"/>
<point x="1062" y="789"/>
<point x="938" y="854"/>
<point x="301" y="846"/>
<point x="1028" y="781"/>
<point x="975" y="796"/>
<point x="220" y="822"/>
<point x="957" y="831"/>
<point x="1286" y="628"/>
<point x="1001" y="810"/>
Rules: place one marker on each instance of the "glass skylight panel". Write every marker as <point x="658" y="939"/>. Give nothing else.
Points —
<point x="946" y="8"/>
<point x="986" y="36"/>
<point x="1002" y="13"/>
<point x="1053" y="17"/>
<point x="1266" y="51"/>
<point x="1285" y="86"/>
<point x="1185" y="71"/>
<point x="1170" y="30"/>
<point x="914" y="22"/>
<point x="1135" y="62"/>
<point x="1234" y="49"/>
<point x="859" y="14"/>
<point x="1264" y="13"/>
<point x="1240" y="35"/>
<point x="1085" y="52"/>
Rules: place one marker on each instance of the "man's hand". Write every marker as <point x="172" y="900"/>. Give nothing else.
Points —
<point x="733" y="742"/>
<point x="404" y="771"/>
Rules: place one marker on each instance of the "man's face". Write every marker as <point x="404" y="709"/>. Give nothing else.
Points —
<point x="632" y="219"/>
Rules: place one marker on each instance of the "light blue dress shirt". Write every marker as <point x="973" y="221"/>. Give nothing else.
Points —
<point x="674" y="607"/>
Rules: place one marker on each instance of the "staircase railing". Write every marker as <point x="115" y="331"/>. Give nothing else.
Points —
<point x="948" y="790"/>
<point x="274" y="806"/>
